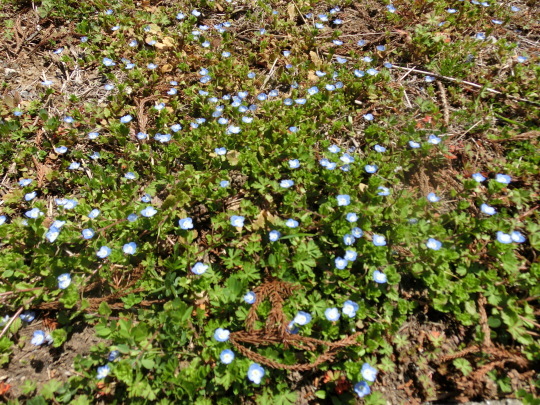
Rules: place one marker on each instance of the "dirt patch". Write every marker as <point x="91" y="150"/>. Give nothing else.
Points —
<point x="41" y="364"/>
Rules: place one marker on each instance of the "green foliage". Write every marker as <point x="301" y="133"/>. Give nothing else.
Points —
<point x="156" y="311"/>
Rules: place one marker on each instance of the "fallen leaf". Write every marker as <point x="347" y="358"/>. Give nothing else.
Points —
<point x="291" y="10"/>
<point x="165" y="43"/>
<point x="312" y="77"/>
<point x="4" y="388"/>
<point x="166" y="68"/>
<point x="315" y="58"/>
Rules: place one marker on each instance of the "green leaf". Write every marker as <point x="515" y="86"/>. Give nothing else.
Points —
<point x="70" y="297"/>
<point x="104" y="309"/>
<point x="59" y="337"/>
<point x="148" y="363"/>
<point x="463" y="365"/>
<point x="48" y="390"/>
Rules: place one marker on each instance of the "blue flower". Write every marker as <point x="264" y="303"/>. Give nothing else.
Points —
<point x="379" y="277"/>
<point x="33" y="213"/>
<point x="362" y="388"/>
<point x="348" y="239"/>
<point x="220" y="151"/>
<point x="221" y="335"/>
<point x="163" y="138"/>
<point x="434" y="140"/>
<point x="429" y="79"/>
<point x="60" y="149"/>
<point x="350" y="255"/>
<point x="39" y="337"/>
<point x="286" y="183"/>
<point x="478" y="177"/>
<point x="302" y="318"/>
<point x="369" y="373"/>
<point x="226" y="356"/>
<point x="340" y="263"/>
<point x="291" y="223"/>
<point x="414" y="144"/>
<point x="249" y="297"/>
<point x="146" y="198"/>
<point x="433" y="244"/>
<point x="25" y="182"/>
<point x="487" y="209"/>
<point x="199" y="268"/>
<point x="64" y="280"/>
<point x="87" y="233"/>
<point x="372" y="72"/>
<point x="3" y="219"/>
<point x="294" y="163"/>
<point x="108" y="62"/>
<point x="74" y="166"/>
<point x="130" y="248"/>
<point x="368" y="117"/>
<point x="274" y="235"/>
<point x="331" y="165"/>
<point x="503" y="178"/>
<point x="52" y="234"/>
<point x="113" y="355"/>
<point x="27" y="316"/>
<point x="224" y="183"/>
<point x="58" y="224"/>
<point x="518" y="237"/>
<point x="332" y="314"/>
<point x="379" y="240"/>
<point x="351" y="217"/>
<point x="30" y="196"/>
<point x="255" y="373"/>
<point x="371" y="168"/>
<point x="93" y="135"/>
<point x="343" y="199"/>
<point x="103" y="252"/>
<point x="233" y="129"/>
<point x="350" y="308"/>
<point x="357" y="232"/>
<point x="148" y="212"/>
<point x="313" y="90"/>
<point x="237" y="221"/>
<point x="125" y="119"/>
<point x="504" y="237"/>
<point x="432" y="197"/>
<point x="186" y="223"/>
<point x="384" y="191"/>
<point x="334" y="149"/>
<point x="103" y="372"/>
<point x="346" y="158"/>
<point x="130" y="176"/>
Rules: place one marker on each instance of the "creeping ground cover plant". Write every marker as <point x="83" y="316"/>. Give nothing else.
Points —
<point x="224" y="202"/>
